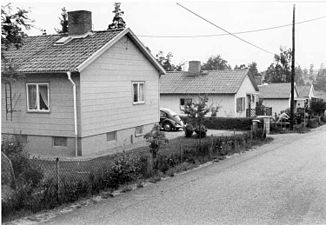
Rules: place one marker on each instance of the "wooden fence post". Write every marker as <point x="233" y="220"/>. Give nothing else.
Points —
<point x="58" y="178"/>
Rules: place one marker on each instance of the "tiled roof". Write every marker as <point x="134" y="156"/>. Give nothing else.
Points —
<point x="219" y="82"/>
<point x="303" y="91"/>
<point x="40" y="54"/>
<point x="275" y="90"/>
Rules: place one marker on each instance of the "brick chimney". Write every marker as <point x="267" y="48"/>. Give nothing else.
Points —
<point x="79" y="22"/>
<point x="194" y="68"/>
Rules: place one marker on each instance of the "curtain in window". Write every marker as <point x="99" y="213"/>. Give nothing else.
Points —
<point x="135" y="92"/>
<point x="32" y="97"/>
<point x="44" y="98"/>
<point x="141" y="92"/>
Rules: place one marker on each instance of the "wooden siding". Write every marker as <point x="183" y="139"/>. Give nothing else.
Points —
<point x="246" y="88"/>
<point x="58" y="122"/>
<point x="106" y="100"/>
<point x="224" y="101"/>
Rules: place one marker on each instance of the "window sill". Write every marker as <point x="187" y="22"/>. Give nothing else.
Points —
<point x="39" y="111"/>
<point x="139" y="135"/>
<point x="138" y="103"/>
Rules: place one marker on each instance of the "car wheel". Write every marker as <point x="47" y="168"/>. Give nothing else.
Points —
<point x="167" y="126"/>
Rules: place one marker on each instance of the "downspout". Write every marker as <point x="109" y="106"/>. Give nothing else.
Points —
<point x="75" y="112"/>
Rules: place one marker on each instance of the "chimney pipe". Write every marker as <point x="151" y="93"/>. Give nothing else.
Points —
<point x="79" y="22"/>
<point x="194" y="68"/>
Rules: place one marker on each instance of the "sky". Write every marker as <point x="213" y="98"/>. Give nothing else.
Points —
<point x="150" y="20"/>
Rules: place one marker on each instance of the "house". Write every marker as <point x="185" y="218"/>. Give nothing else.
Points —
<point x="305" y="94"/>
<point x="277" y="96"/>
<point x="85" y="93"/>
<point x="233" y="91"/>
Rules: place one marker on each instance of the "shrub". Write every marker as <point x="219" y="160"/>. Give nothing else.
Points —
<point x="189" y="129"/>
<point x="312" y="123"/>
<point x="224" y="123"/>
<point x="22" y="166"/>
<point x="201" y="131"/>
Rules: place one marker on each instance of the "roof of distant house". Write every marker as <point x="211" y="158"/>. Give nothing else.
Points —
<point x="275" y="90"/>
<point x="42" y="54"/>
<point x="304" y="91"/>
<point x="217" y="82"/>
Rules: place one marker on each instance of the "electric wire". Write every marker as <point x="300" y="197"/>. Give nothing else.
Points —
<point x="239" y="32"/>
<point x="241" y="39"/>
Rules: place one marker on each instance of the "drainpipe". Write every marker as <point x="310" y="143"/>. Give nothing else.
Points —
<point x="75" y="112"/>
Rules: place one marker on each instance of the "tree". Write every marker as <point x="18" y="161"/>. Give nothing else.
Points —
<point x="196" y="111"/>
<point x="216" y="63"/>
<point x="280" y="70"/>
<point x="166" y="63"/>
<point x="63" y="22"/>
<point x="117" y="22"/>
<point x="298" y="79"/>
<point x="12" y="35"/>
<point x="320" y="83"/>
<point x="241" y="67"/>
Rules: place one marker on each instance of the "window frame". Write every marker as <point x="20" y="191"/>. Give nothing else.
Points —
<point x="115" y="136"/>
<point x="138" y="83"/>
<point x="142" y="131"/>
<point x="243" y="106"/>
<point x="185" y="100"/>
<point x="38" y="110"/>
<point x="60" y="146"/>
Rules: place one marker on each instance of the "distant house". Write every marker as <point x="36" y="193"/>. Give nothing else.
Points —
<point x="233" y="91"/>
<point x="306" y="93"/>
<point x="85" y="93"/>
<point x="277" y="96"/>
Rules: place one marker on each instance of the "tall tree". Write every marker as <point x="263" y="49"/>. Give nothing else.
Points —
<point x="240" y="67"/>
<point x="13" y="24"/>
<point x="117" y="22"/>
<point x="320" y="83"/>
<point x="216" y="63"/>
<point x="298" y="79"/>
<point x="63" y="22"/>
<point x="280" y="70"/>
<point x="166" y="61"/>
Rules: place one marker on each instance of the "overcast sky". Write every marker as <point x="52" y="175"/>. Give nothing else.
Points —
<point x="166" y="18"/>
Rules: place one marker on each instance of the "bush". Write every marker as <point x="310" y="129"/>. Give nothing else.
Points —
<point x="224" y="123"/>
<point x="313" y="123"/>
<point x="201" y="131"/>
<point x="189" y="129"/>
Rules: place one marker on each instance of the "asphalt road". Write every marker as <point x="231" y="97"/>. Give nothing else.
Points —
<point x="280" y="183"/>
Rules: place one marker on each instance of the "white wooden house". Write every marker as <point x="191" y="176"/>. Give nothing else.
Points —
<point x="85" y="93"/>
<point x="233" y="91"/>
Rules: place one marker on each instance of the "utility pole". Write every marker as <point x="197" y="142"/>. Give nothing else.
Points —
<point x="293" y="71"/>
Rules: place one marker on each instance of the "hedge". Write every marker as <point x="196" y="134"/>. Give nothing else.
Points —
<point x="224" y="123"/>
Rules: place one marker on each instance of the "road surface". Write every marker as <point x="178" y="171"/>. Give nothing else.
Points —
<point x="279" y="183"/>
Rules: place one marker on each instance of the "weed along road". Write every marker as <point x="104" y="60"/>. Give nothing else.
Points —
<point x="283" y="182"/>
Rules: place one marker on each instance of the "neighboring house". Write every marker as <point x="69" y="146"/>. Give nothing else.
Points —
<point x="86" y="93"/>
<point x="233" y="91"/>
<point x="306" y="95"/>
<point x="277" y="96"/>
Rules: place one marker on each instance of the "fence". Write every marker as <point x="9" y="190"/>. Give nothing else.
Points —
<point x="68" y="180"/>
<point x="259" y="111"/>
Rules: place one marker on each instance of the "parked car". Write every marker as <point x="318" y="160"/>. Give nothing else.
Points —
<point x="170" y="120"/>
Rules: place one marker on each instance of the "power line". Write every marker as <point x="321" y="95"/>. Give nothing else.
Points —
<point x="239" y="32"/>
<point x="241" y="39"/>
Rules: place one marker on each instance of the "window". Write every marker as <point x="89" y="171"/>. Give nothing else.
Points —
<point x="111" y="136"/>
<point x="184" y="102"/>
<point x="138" y="92"/>
<point x="139" y="131"/>
<point x="240" y="104"/>
<point x="59" y="141"/>
<point x="38" y="97"/>
<point x="162" y="114"/>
